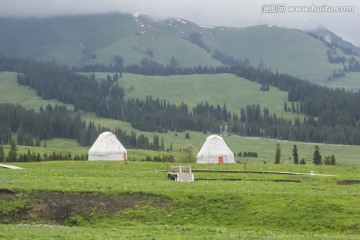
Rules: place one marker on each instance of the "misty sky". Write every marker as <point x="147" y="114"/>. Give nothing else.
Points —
<point x="235" y="13"/>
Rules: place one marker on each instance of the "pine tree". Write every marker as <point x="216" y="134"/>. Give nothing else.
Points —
<point x="292" y="107"/>
<point x="317" y="156"/>
<point x="173" y="62"/>
<point x="37" y="142"/>
<point x="327" y="160"/>
<point x="295" y="155"/>
<point x="156" y="144"/>
<point x="277" y="154"/>
<point x="2" y="154"/>
<point x="12" y="156"/>
<point x="162" y="145"/>
<point x="333" y="160"/>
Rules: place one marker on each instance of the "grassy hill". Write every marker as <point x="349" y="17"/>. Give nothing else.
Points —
<point x="71" y="40"/>
<point x="91" y="39"/>
<point x="11" y="92"/>
<point x="351" y="81"/>
<point x="220" y="89"/>
<point x="285" y="50"/>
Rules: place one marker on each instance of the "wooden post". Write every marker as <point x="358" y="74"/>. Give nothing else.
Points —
<point x="244" y="166"/>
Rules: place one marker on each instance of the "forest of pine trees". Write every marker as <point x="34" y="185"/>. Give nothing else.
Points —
<point x="58" y="122"/>
<point x="330" y="116"/>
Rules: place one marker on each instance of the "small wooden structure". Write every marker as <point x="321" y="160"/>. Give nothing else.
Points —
<point x="181" y="174"/>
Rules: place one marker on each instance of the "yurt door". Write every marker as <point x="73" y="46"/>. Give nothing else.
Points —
<point x="220" y="160"/>
<point x="124" y="156"/>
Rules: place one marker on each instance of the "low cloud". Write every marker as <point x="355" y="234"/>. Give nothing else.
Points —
<point x="206" y="12"/>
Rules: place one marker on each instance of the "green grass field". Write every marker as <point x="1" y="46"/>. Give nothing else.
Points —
<point x="351" y="81"/>
<point x="11" y="92"/>
<point x="133" y="200"/>
<point x="235" y="92"/>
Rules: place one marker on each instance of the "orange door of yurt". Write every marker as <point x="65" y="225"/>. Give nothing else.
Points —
<point x="220" y="160"/>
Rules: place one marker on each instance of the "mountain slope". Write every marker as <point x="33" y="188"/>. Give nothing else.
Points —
<point x="92" y="39"/>
<point x="97" y="39"/>
<point x="285" y="50"/>
<point x="12" y="92"/>
<point x="325" y="34"/>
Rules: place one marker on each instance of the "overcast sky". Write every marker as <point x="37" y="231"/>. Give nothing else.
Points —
<point x="235" y="13"/>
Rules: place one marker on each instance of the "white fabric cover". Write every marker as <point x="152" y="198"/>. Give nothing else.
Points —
<point x="107" y="147"/>
<point x="213" y="148"/>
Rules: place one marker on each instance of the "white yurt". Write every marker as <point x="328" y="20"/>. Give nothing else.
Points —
<point x="215" y="151"/>
<point x="107" y="147"/>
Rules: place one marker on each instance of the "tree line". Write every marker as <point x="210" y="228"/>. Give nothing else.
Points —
<point x="329" y="115"/>
<point x="13" y="155"/>
<point x="58" y="122"/>
<point x="106" y="99"/>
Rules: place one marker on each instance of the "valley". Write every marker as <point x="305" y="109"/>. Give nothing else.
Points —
<point x="162" y="87"/>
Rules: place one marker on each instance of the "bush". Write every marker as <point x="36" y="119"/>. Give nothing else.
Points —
<point x="330" y="160"/>
<point x="76" y="220"/>
<point x="167" y="158"/>
<point x="250" y="154"/>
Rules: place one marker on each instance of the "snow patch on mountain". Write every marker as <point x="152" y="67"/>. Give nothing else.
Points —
<point x="136" y="14"/>
<point x="203" y="26"/>
<point x="180" y="20"/>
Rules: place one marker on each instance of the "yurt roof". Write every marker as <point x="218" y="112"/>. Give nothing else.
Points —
<point x="215" y="145"/>
<point x="107" y="142"/>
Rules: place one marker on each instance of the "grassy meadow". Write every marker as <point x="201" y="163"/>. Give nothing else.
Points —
<point x="11" y="92"/>
<point x="235" y="92"/>
<point x="134" y="200"/>
<point x="220" y="89"/>
<point x="351" y="82"/>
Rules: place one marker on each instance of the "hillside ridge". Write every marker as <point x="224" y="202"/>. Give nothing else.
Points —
<point x="100" y="39"/>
